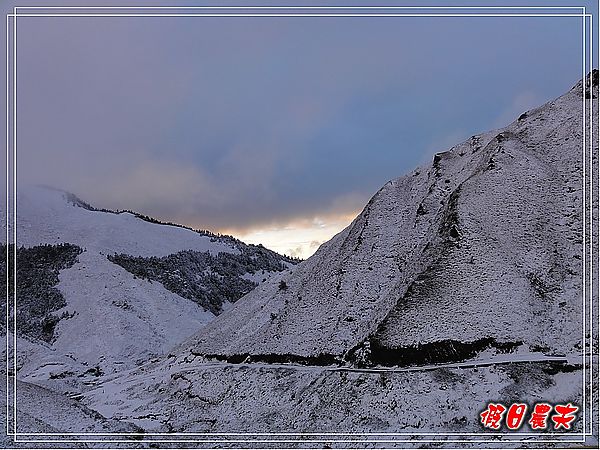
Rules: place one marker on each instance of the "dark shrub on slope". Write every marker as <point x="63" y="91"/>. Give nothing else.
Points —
<point x="206" y="279"/>
<point x="37" y="297"/>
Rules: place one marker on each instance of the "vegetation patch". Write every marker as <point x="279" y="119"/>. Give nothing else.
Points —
<point x="36" y="277"/>
<point x="373" y="353"/>
<point x="206" y="279"/>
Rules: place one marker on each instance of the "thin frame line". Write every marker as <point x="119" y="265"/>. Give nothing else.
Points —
<point x="15" y="219"/>
<point x="7" y="222"/>
<point x="289" y="441"/>
<point x="305" y="434"/>
<point x="306" y="7"/>
<point x="296" y="15"/>
<point x="584" y="223"/>
<point x="589" y="407"/>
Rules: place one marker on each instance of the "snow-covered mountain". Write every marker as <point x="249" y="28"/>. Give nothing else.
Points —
<point x="475" y="257"/>
<point x="481" y="248"/>
<point x="101" y="291"/>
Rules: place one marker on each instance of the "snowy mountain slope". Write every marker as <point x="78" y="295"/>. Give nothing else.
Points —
<point x="482" y="248"/>
<point x="173" y="396"/>
<point x="482" y="267"/>
<point x="112" y="319"/>
<point x="42" y="411"/>
<point x="118" y="322"/>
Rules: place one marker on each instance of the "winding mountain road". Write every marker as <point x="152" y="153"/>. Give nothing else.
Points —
<point x="496" y="360"/>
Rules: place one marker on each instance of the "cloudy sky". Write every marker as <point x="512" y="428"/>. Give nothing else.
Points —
<point x="276" y="130"/>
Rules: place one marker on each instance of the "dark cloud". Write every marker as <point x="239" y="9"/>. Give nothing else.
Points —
<point x="230" y="123"/>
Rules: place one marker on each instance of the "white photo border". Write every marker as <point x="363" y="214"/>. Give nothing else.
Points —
<point x="587" y="359"/>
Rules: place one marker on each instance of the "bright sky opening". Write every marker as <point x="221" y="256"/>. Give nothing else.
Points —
<point x="300" y="238"/>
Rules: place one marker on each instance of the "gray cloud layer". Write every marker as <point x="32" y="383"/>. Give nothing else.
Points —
<point x="231" y="123"/>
